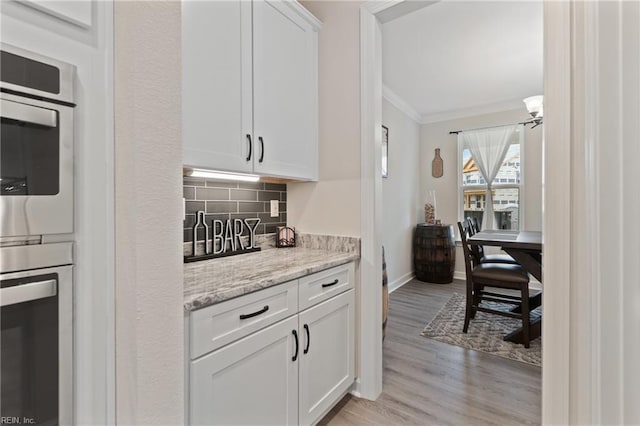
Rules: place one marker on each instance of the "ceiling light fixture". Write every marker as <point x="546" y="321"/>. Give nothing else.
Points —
<point x="212" y="174"/>
<point x="535" y="108"/>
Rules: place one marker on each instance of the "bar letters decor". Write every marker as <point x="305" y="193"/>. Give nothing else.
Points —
<point x="226" y="237"/>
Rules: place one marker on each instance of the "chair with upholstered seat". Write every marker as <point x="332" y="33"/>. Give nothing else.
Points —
<point x="478" y="251"/>
<point x="494" y="275"/>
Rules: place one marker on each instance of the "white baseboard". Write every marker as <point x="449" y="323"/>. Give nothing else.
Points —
<point x="460" y="275"/>
<point x="355" y="389"/>
<point x="396" y="284"/>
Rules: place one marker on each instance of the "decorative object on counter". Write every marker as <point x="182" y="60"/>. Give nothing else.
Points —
<point x="225" y="237"/>
<point x="437" y="168"/>
<point x="285" y="236"/>
<point x="434" y="253"/>
<point x="430" y="208"/>
<point x="385" y="151"/>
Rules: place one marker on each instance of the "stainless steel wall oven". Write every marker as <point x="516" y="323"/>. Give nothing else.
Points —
<point x="36" y="359"/>
<point x="36" y="238"/>
<point x="36" y="190"/>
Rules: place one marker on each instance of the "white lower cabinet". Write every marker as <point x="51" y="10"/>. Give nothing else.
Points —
<point x="289" y="372"/>
<point x="253" y="381"/>
<point x="327" y="360"/>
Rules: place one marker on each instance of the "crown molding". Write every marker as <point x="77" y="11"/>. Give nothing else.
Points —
<point x="401" y="104"/>
<point x="469" y="112"/>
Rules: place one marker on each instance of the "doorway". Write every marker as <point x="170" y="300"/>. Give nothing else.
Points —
<point x="557" y="76"/>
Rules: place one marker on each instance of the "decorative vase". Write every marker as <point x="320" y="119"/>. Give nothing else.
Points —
<point x="430" y="208"/>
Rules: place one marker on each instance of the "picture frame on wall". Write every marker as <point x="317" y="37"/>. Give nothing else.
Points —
<point x="385" y="151"/>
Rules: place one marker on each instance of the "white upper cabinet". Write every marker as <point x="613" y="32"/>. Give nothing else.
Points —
<point x="250" y="93"/>
<point x="216" y="85"/>
<point x="285" y="91"/>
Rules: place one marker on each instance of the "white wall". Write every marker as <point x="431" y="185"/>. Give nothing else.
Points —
<point x="332" y="205"/>
<point x="149" y="270"/>
<point x="436" y="135"/>
<point x="401" y="200"/>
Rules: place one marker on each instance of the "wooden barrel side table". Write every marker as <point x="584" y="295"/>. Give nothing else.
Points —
<point x="434" y="253"/>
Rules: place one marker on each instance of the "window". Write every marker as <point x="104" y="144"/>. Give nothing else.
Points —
<point x="507" y="187"/>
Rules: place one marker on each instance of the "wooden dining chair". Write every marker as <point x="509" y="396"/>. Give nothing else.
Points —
<point x="494" y="275"/>
<point x="478" y="251"/>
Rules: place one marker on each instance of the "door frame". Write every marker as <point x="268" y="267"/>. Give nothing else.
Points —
<point x="556" y="214"/>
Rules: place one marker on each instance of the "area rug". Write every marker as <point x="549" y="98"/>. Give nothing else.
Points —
<point x="485" y="333"/>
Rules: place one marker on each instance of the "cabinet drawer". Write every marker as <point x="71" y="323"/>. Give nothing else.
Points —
<point x="325" y="284"/>
<point x="228" y="321"/>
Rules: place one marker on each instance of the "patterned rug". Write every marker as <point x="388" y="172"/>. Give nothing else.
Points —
<point x="485" y="331"/>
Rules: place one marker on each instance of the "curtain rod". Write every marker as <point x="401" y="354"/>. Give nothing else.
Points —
<point x="455" y="132"/>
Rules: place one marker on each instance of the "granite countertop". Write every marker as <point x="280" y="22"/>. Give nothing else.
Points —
<point x="212" y="281"/>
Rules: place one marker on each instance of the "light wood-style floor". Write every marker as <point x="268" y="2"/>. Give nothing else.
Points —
<point x="428" y="382"/>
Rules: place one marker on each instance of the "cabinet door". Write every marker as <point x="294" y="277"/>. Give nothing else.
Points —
<point x="253" y="381"/>
<point x="285" y="91"/>
<point x="216" y="84"/>
<point x="327" y="367"/>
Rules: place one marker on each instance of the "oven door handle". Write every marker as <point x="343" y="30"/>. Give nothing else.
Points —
<point x="28" y="114"/>
<point x="28" y="292"/>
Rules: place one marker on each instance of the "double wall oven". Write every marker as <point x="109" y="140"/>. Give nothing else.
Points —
<point x="36" y="238"/>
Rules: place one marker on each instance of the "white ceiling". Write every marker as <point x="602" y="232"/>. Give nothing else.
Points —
<point x="454" y="57"/>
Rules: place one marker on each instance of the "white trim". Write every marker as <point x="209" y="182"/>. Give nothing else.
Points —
<point x="303" y="13"/>
<point x="395" y="100"/>
<point x="460" y="276"/>
<point x="387" y="11"/>
<point x="374" y="7"/>
<point x="587" y="396"/>
<point x="369" y="384"/>
<point x="109" y="238"/>
<point x="396" y="284"/>
<point x="557" y="195"/>
<point x="473" y="111"/>
<point x="354" y="388"/>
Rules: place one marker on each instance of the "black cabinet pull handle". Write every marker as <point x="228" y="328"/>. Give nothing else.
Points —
<point x="336" y="281"/>
<point x="255" y="314"/>
<point x="295" y="336"/>
<point x="306" y="328"/>
<point x="250" y="144"/>
<point x="261" y="149"/>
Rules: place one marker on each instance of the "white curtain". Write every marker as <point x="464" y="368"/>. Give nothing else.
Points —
<point x="488" y="148"/>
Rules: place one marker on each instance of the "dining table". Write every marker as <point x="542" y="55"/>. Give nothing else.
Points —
<point x="526" y="248"/>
